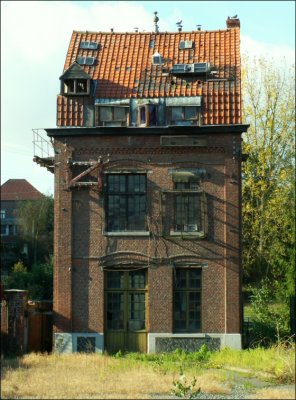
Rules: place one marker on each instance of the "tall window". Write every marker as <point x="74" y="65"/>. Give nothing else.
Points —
<point x="148" y="115"/>
<point x="188" y="216"/>
<point x="187" y="300"/>
<point x="126" y="202"/>
<point x="4" y="230"/>
<point x="3" y="213"/>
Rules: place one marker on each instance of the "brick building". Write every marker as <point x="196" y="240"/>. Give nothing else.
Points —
<point x="148" y="191"/>
<point x="14" y="193"/>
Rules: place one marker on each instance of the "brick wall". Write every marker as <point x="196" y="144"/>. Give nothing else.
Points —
<point x="80" y="244"/>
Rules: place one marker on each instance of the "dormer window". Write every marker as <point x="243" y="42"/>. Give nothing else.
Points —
<point x="185" y="115"/>
<point x="183" y="111"/>
<point x="75" y="81"/>
<point x="156" y="59"/>
<point x="76" y="86"/>
<point x="109" y="115"/>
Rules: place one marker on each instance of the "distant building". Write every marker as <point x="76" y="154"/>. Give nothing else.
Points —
<point x="14" y="193"/>
<point x="148" y="191"/>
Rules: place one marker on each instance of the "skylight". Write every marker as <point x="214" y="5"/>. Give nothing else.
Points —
<point x="84" y="60"/>
<point x="89" y="45"/>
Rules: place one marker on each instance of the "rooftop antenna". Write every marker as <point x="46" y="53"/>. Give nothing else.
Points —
<point x="156" y="19"/>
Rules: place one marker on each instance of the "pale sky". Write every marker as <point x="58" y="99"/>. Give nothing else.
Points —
<point x="34" y="40"/>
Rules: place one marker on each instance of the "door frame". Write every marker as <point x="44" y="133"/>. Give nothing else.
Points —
<point x="125" y="339"/>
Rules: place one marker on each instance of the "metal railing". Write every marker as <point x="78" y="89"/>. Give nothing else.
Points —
<point x="42" y="147"/>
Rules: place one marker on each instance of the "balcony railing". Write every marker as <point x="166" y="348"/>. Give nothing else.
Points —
<point x="43" y="150"/>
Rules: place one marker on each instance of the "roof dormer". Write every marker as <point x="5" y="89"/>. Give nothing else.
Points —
<point x="156" y="59"/>
<point x="75" y="81"/>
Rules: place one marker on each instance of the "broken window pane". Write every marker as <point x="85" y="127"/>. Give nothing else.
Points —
<point x="81" y="86"/>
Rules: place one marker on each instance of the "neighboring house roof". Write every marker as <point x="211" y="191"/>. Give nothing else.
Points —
<point x="19" y="189"/>
<point x="123" y="69"/>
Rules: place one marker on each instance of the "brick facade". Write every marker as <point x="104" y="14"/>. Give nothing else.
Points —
<point x="123" y="111"/>
<point x="82" y="250"/>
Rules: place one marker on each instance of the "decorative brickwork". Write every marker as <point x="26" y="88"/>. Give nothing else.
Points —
<point x="187" y="344"/>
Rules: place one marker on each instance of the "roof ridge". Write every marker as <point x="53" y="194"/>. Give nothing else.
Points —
<point x="159" y="33"/>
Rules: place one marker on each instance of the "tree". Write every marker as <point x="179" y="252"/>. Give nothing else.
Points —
<point x="268" y="174"/>
<point x="38" y="281"/>
<point x="36" y="223"/>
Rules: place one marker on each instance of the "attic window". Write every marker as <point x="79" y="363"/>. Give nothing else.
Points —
<point x="89" y="45"/>
<point x="84" y="60"/>
<point x="76" y="86"/>
<point x="156" y="59"/>
<point x="112" y="115"/>
<point x="183" y="115"/>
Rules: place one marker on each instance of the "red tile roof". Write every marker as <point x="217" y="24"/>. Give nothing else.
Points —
<point x="19" y="189"/>
<point x="123" y="69"/>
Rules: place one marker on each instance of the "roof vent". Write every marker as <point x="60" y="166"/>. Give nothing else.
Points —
<point x="194" y="69"/>
<point x="156" y="19"/>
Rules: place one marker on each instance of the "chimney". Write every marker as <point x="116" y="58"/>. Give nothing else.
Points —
<point x="233" y="22"/>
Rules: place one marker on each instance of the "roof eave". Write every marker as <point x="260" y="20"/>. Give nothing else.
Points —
<point x="164" y="130"/>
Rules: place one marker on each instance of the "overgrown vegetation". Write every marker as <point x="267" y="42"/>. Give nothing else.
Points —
<point x="269" y="196"/>
<point x="268" y="173"/>
<point x="34" y="271"/>
<point x="183" y="388"/>
<point x="143" y="376"/>
<point x="270" y="316"/>
<point x="38" y="280"/>
<point x="36" y="229"/>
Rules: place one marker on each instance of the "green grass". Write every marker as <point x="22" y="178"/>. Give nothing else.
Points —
<point x="277" y="361"/>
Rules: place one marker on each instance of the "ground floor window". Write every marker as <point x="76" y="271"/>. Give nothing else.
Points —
<point x="187" y="300"/>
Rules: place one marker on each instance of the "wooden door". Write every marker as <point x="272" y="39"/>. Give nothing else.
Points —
<point x="125" y="311"/>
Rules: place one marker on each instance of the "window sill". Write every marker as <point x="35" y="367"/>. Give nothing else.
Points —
<point x="194" y="235"/>
<point x="127" y="233"/>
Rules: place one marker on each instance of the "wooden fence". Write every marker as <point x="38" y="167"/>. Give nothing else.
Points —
<point x="26" y="326"/>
